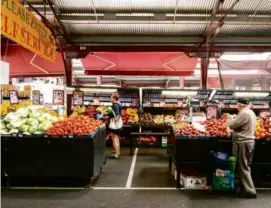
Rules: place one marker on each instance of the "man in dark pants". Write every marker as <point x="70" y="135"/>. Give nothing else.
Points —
<point x="243" y="127"/>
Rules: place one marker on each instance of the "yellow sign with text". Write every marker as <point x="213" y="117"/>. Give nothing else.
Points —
<point x="22" y="27"/>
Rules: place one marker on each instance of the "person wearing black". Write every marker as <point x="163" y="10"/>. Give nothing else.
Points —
<point x="115" y="133"/>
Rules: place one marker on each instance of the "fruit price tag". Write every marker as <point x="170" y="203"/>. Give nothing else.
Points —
<point x="45" y="136"/>
<point x="70" y="136"/>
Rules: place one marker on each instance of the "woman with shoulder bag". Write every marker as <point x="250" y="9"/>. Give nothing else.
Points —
<point x="115" y="125"/>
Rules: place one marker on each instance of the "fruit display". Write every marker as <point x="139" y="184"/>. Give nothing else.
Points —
<point x="147" y="119"/>
<point x="25" y="93"/>
<point x="51" y="112"/>
<point x="159" y="119"/>
<point x="132" y="116"/>
<point x="90" y="111"/>
<point x="105" y="110"/>
<point x="186" y="129"/>
<point x="150" y="139"/>
<point x="78" y="111"/>
<point x="216" y="127"/>
<point x="77" y="126"/>
<point x="263" y="128"/>
<point x="169" y="120"/>
<point x="27" y="120"/>
<point x="7" y="107"/>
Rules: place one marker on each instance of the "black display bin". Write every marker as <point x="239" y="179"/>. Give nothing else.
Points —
<point x="195" y="153"/>
<point x="52" y="161"/>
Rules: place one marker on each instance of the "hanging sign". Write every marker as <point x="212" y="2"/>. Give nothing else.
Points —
<point x="58" y="97"/>
<point x="13" y="97"/>
<point x="22" y="27"/>
<point x="78" y="97"/>
<point x="36" y="97"/>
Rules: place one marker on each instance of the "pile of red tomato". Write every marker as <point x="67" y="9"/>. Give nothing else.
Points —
<point x="78" y="126"/>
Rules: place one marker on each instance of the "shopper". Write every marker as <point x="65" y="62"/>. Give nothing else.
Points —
<point x="243" y="127"/>
<point x="115" y="125"/>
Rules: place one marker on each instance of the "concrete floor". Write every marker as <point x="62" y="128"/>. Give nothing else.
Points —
<point x="151" y="170"/>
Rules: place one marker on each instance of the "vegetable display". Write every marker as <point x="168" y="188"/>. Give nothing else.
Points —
<point x="77" y="125"/>
<point x="27" y="120"/>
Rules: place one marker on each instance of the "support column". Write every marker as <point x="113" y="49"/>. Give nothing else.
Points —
<point x="68" y="71"/>
<point x="99" y="80"/>
<point x="204" y="72"/>
<point x="181" y="82"/>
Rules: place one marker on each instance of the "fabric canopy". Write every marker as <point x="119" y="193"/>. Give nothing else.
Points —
<point x="24" y="63"/>
<point x="146" y="63"/>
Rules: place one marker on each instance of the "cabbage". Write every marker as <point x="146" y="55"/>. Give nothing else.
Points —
<point x="11" y="117"/>
<point x="9" y="126"/>
<point x="24" y="128"/>
<point x="22" y="112"/>
<point x="26" y="133"/>
<point x="32" y="129"/>
<point x="3" y="131"/>
<point x="2" y="125"/>
<point x="32" y="122"/>
<point x="45" y="117"/>
<point x="35" y="115"/>
<point x="17" y="123"/>
<point x="45" y="126"/>
<point x="13" y="131"/>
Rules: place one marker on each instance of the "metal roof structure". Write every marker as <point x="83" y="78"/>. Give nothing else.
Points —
<point x="92" y="22"/>
<point x="202" y="29"/>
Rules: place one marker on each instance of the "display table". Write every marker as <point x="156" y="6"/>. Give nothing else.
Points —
<point x="41" y="161"/>
<point x="195" y="153"/>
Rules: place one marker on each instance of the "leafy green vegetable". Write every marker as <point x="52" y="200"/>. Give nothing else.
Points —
<point x="13" y="131"/>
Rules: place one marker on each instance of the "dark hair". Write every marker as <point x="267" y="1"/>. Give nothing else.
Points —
<point x="116" y="97"/>
<point x="243" y="101"/>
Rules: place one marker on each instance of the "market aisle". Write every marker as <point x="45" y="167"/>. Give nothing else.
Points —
<point x="115" y="172"/>
<point x="151" y="169"/>
<point x="127" y="198"/>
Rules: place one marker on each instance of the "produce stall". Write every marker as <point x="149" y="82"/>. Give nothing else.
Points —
<point x="195" y="141"/>
<point x="39" y="149"/>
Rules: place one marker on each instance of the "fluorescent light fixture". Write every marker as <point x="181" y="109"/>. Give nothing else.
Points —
<point x="251" y="94"/>
<point x="181" y="93"/>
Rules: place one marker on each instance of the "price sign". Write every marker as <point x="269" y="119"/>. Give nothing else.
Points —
<point x="96" y="101"/>
<point x="211" y="112"/>
<point x="58" y="97"/>
<point x="78" y="98"/>
<point x="36" y="97"/>
<point x="13" y="97"/>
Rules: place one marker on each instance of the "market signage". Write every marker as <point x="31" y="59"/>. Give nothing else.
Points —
<point x="78" y="97"/>
<point x="22" y="27"/>
<point x="36" y="97"/>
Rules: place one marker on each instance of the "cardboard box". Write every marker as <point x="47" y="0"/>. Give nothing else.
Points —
<point x="189" y="178"/>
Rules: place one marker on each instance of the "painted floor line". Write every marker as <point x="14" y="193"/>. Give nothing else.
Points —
<point x="132" y="170"/>
<point x="134" y="188"/>
<point x="48" y="188"/>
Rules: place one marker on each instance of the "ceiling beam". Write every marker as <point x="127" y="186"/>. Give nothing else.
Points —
<point x="133" y="39"/>
<point x="179" y="18"/>
<point x="172" y="48"/>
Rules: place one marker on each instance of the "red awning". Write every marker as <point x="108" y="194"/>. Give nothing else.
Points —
<point x="24" y="63"/>
<point x="147" y="63"/>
